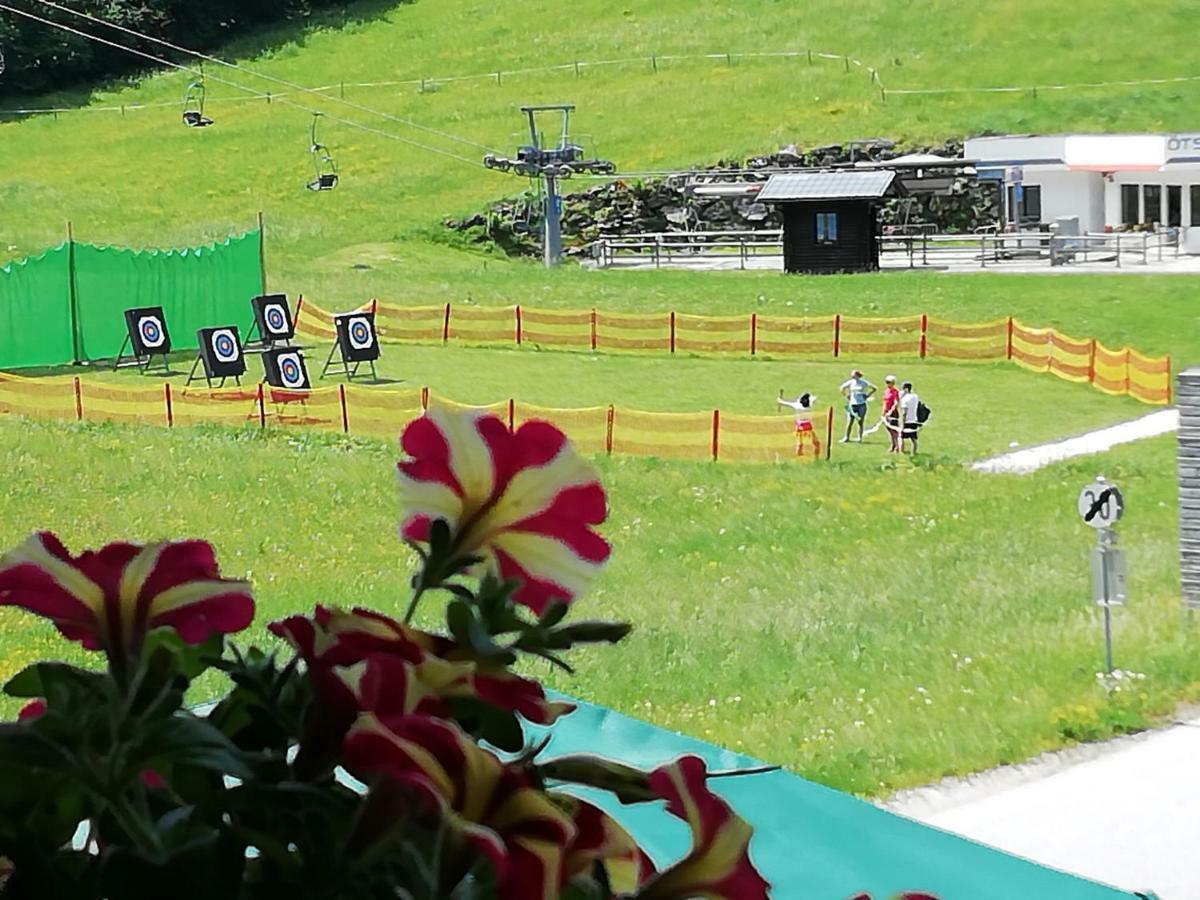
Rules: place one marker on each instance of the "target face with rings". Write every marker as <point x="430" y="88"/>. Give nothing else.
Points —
<point x="152" y="332"/>
<point x="361" y="333"/>
<point x="221" y="352"/>
<point x="147" y="329"/>
<point x="225" y="348"/>
<point x="276" y="319"/>
<point x="356" y="336"/>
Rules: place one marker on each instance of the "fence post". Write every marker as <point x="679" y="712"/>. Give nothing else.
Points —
<point x="716" y="431"/>
<point x="829" y="433"/>
<point x="262" y="251"/>
<point x="1008" y="350"/>
<point x="73" y="297"/>
<point x="78" y="401"/>
<point x="837" y="335"/>
<point x="1092" y="362"/>
<point x="1127" y="379"/>
<point x="753" y="333"/>
<point x="1169" y="381"/>
<point x="345" y="413"/>
<point x="512" y="415"/>
<point x="262" y="407"/>
<point x="519" y="333"/>
<point x="608" y="431"/>
<point x="167" y="397"/>
<point x="593" y="329"/>
<point x="446" y="325"/>
<point x="425" y="398"/>
<point x="924" y="334"/>
<point x="672" y="331"/>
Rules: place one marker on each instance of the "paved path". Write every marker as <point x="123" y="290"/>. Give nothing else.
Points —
<point x="1126" y="812"/>
<point x="1021" y="462"/>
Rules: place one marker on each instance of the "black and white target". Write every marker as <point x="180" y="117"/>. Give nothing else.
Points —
<point x="357" y="337"/>
<point x="147" y="329"/>
<point x="284" y="368"/>
<point x="221" y="352"/>
<point x="274" y="318"/>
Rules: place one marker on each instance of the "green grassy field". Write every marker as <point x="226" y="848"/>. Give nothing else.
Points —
<point x="871" y="623"/>
<point x="871" y="626"/>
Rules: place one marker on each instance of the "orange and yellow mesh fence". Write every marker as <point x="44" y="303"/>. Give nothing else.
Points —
<point x="1083" y="360"/>
<point x="383" y="413"/>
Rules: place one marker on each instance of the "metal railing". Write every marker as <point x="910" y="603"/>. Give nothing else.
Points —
<point x="672" y="247"/>
<point x="918" y="249"/>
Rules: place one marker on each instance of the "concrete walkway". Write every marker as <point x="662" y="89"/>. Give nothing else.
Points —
<point x="1126" y="812"/>
<point x="1030" y="459"/>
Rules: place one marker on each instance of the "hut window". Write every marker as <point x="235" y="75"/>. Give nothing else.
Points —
<point x="827" y="228"/>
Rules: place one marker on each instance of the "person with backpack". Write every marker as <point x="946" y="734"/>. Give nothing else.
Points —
<point x="913" y="413"/>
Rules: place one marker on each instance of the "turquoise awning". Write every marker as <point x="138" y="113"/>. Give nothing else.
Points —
<point x="810" y="841"/>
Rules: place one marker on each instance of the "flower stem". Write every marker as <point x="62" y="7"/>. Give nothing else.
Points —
<point x="412" y="605"/>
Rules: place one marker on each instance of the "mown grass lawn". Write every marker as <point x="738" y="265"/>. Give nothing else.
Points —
<point x="870" y="625"/>
<point x="980" y="408"/>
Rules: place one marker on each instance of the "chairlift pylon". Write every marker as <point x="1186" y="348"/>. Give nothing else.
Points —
<point x="193" y="105"/>
<point x="325" y="176"/>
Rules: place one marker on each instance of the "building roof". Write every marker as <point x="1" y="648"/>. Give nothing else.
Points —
<point x="827" y="186"/>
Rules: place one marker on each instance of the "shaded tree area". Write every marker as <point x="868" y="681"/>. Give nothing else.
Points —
<point x="40" y="59"/>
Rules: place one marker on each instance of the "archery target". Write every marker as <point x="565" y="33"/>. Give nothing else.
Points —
<point x="356" y="336"/>
<point x="291" y="371"/>
<point x="151" y="330"/>
<point x="361" y="334"/>
<point x="147" y="328"/>
<point x="285" y="369"/>
<point x="276" y="319"/>
<point x="221" y="352"/>
<point x="273" y="317"/>
<point x="225" y="345"/>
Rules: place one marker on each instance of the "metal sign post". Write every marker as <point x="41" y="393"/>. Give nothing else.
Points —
<point x="1101" y="506"/>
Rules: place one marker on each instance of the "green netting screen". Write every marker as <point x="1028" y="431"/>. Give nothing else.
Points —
<point x="35" y="310"/>
<point x="196" y="287"/>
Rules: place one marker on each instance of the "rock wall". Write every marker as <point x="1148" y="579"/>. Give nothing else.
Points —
<point x="629" y="207"/>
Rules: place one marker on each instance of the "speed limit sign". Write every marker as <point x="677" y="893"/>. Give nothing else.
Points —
<point x="1101" y="505"/>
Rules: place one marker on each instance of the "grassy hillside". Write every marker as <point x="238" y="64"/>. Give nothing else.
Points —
<point x="142" y="178"/>
<point x="832" y="618"/>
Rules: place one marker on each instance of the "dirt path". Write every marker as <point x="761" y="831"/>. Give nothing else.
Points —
<point x="1030" y="459"/>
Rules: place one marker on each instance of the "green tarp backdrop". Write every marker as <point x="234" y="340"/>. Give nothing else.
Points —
<point x="67" y="305"/>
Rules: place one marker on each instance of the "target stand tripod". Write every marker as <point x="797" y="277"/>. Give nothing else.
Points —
<point x="344" y="365"/>
<point x="144" y="362"/>
<point x="208" y="378"/>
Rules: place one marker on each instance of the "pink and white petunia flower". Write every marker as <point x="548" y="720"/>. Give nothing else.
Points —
<point x="109" y="599"/>
<point x="525" y="501"/>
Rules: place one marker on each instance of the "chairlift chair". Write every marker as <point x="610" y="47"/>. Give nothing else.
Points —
<point x="193" y="106"/>
<point x="325" y="176"/>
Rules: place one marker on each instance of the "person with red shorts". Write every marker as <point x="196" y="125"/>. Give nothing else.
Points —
<point x="891" y="412"/>
<point x="805" y="433"/>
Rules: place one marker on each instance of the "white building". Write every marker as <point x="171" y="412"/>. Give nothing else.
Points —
<point x="1109" y="181"/>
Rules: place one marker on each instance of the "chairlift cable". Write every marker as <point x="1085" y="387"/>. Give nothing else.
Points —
<point x="258" y="94"/>
<point x="281" y="81"/>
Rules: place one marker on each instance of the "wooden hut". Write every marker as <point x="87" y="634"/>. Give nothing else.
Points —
<point x="830" y="218"/>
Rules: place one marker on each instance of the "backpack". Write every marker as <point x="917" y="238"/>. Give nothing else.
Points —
<point x="923" y="412"/>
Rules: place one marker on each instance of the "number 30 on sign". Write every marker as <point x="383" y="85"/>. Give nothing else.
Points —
<point x="1101" y="505"/>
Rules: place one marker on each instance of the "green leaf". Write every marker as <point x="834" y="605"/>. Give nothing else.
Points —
<point x="187" y="740"/>
<point x="44" y="679"/>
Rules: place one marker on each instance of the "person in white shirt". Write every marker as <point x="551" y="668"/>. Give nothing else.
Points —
<point x="910" y="425"/>
<point x="857" y="391"/>
<point x="805" y="433"/>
